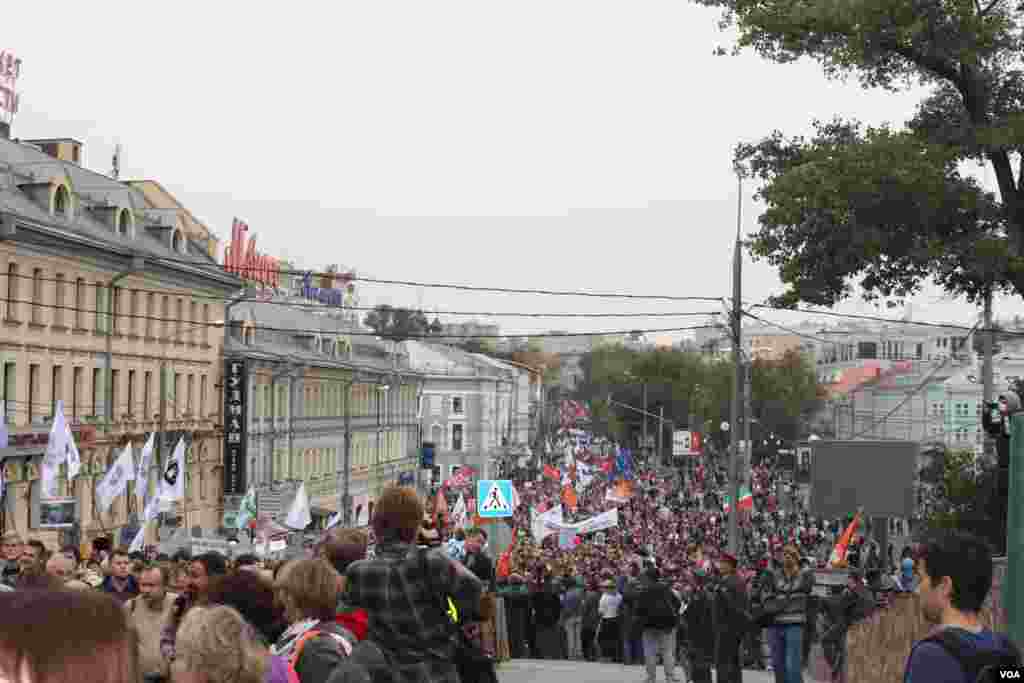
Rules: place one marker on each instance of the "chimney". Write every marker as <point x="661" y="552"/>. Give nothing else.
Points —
<point x="64" y="149"/>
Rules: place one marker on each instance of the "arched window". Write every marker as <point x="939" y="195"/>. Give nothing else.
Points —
<point x="124" y="223"/>
<point x="62" y="202"/>
<point x="178" y="242"/>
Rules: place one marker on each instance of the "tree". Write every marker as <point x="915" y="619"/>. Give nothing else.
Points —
<point x="890" y="207"/>
<point x="690" y="386"/>
<point x="399" y="324"/>
<point x="961" y="498"/>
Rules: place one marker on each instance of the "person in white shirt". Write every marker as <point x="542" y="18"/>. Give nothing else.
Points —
<point x="609" y="634"/>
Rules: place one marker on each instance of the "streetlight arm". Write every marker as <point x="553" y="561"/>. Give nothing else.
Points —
<point x="637" y="410"/>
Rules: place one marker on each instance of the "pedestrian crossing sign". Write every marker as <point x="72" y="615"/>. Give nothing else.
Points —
<point x="494" y="498"/>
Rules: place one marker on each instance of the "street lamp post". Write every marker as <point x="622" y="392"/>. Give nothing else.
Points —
<point x="138" y="263"/>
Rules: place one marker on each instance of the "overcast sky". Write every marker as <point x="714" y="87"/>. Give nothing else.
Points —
<point x="562" y="144"/>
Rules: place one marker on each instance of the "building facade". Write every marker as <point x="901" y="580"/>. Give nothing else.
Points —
<point x="472" y="407"/>
<point x="94" y="271"/>
<point x="323" y="399"/>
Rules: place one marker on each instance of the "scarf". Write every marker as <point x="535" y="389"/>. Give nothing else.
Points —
<point x="286" y="643"/>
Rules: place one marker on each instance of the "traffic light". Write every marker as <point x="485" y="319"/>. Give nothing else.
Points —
<point x="427" y="456"/>
<point x="995" y="419"/>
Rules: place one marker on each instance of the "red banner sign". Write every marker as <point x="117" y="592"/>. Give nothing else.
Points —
<point x="242" y="259"/>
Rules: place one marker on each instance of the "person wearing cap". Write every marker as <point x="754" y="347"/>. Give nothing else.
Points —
<point x="731" y="608"/>
<point x="699" y="614"/>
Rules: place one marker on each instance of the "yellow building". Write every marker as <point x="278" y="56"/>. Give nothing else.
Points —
<point x="95" y="269"/>
<point x="315" y="387"/>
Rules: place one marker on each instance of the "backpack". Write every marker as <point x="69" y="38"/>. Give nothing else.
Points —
<point x="340" y="642"/>
<point x="659" y="608"/>
<point x="979" y="666"/>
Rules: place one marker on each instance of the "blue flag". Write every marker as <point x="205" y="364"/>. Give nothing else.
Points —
<point x="624" y="463"/>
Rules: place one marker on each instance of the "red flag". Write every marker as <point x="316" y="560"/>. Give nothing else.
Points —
<point x="552" y="473"/>
<point x="569" y="497"/>
<point x="838" y="557"/>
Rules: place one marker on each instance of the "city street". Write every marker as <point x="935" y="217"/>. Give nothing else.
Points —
<point x="560" y="671"/>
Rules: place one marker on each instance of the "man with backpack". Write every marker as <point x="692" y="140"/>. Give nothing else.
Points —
<point x="954" y="571"/>
<point x="657" y="610"/>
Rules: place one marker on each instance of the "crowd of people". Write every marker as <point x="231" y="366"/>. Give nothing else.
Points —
<point x="414" y="598"/>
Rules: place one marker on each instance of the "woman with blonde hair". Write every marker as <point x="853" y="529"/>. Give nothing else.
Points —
<point x="314" y="643"/>
<point x="216" y="645"/>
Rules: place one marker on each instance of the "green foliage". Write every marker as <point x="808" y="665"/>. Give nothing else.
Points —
<point x="400" y="324"/>
<point x="888" y="208"/>
<point x="689" y="384"/>
<point x="961" y="496"/>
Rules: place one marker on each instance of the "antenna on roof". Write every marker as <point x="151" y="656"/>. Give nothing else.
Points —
<point x="115" y="163"/>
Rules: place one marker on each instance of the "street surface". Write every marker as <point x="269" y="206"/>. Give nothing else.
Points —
<point x="560" y="671"/>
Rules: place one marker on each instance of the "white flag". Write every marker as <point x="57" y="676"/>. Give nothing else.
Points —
<point x="56" y="452"/>
<point x="172" y="479"/>
<point x="145" y="458"/>
<point x="115" y="480"/>
<point x="298" y="516"/>
<point x="516" y="500"/>
<point x="334" y="521"/>
<point x="459" y="513"/>
<point x="74" y="460"/>
<point x="152" y="509"/>
<point x="139" y="539"/>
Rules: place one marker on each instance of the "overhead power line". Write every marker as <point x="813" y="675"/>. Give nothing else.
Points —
<point x="320" y="306"/>
<point x="475" y="288"/>
<point x="356" y="333"/>
<point x="924" y="383"/>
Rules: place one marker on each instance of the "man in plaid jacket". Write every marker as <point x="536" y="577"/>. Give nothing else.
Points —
<point x="406" y="590"/>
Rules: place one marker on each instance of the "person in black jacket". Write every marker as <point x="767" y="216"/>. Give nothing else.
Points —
<point x="854" y="604"/>
<point x="701" y="638"/>
<point x="731" y="608"/>
<point x="547" y="610"/>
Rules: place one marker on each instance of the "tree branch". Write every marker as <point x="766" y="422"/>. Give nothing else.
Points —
<point x="989" y="8"/>
<point x="940" y="67"/>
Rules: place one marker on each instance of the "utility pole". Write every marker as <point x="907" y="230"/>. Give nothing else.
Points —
<point x="643" y="448"/>
<point x="661" y="435"/>
<point x="346" y="500"/>
<point x="737" y="392"/>
<point x="747" y="415"/>
<point x="986" y="368"/>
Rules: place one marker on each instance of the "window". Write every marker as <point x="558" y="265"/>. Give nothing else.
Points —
<point x="116" y="409"/>
<point x="12" y="291"/>
<point x="62" y="202"/>
<point x="147" y="390"/>
<point x="58" y="300"/>
<point x="206" y="324"/>
<point x="56" y="391"/>
<point x="80" y="303"/>
<point x="178" y="242"/>
<point x="457" y="437"/>
<point x="133" y="323"/>
<point x="177" y="395"/>
<point x="115" y="310"/>
<point x="101" y="307"/>
<point x="10" y="393"/>
<point x="97" y="389"/>
<point x="419" y="406"/>
<point x="124" y="223"/>
<point x="165" y="314"/>
<point x="33" y="392"/>
<point x="202" y="396"/>
<point x="179" y="321"/>
<point x="150" y="313"/>
<point x="193" y="318"/>
<point x="132" y="408"/>
<point x="457" y="407"/>
<point x="188" y="397"/>
<point x="37" y="296"/>
<point x="76" y="393"/>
